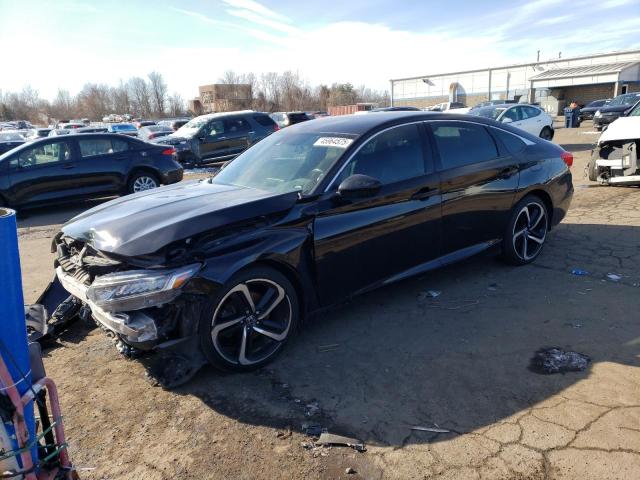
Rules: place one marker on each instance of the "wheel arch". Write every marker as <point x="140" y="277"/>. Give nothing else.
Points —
<point x="546" y="198"/>
<point x="143" y="169"/>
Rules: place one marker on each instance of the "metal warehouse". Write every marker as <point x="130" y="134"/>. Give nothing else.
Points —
<point x="552" y="83"/>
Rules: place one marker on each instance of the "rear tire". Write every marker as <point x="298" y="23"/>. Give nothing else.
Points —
<point x="526" y="231"/>
<point x="142" y="181"/>
<point x="249" y="320"/>
<point x="592" y="170"/>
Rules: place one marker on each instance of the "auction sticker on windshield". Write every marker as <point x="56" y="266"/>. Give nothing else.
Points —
<point x="339" y="142"/>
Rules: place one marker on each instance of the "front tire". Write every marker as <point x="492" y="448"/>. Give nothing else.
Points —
<point x="249" y="321"/>
<point x="526" y="231"/>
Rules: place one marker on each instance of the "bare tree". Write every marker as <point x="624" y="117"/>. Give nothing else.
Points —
<point x="120" y="100"/>
<point x="158" y="89"/>
<point x="94" y="101"/>
<point x="140" y="97"/>
<point x="176" y="105"/>
<point x="63" y="106"/>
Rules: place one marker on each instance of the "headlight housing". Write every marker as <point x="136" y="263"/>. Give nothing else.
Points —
<point x="597" y="113"/>
<point x="138" y="289"/>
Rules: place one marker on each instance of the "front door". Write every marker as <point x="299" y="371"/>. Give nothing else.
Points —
<point x="479" y="180"/>
<point x="377" y="239"/>
<point x="43" y="172"/>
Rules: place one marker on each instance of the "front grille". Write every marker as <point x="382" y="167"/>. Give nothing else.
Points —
<point x="82" y="262"/>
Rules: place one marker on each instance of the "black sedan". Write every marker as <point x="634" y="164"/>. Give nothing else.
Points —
<point x="9" y="141"/>
<point x="83" y="165"/>
<point x="225" y="268"/>
<point x="587" y="112"/>
<point x="615" y="109"/>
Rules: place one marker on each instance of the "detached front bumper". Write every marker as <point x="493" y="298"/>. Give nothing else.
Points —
<point x="136" y="327"/>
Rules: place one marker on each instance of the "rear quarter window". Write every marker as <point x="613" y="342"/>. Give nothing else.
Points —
<point x="264" y="120"/>
<point x="509" y="140"/>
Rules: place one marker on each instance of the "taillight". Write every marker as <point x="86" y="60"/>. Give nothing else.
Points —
<point x="567" y="157"/>
<point x="169" y="151"/>
<point x="276" y="127"/>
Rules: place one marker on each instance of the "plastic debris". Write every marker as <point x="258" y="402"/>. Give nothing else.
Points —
<point x="579" y="272"/>
<point x="431" y="429"/>
<point x="574" y="325"/>
<point x="614" y="277"/>
<point x="329" y="439"/>
<point x="556" y="360"/>
<point x="313" y="430"/>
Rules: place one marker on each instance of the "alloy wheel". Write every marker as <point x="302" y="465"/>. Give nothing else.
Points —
<point x="251" y="322"/>
<point x="143" y="183"/>
<point x="530" y="231"/>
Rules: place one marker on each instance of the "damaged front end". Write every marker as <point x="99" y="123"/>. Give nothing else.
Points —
<point x="142" y="308"/>
<point x="616" y="162"/>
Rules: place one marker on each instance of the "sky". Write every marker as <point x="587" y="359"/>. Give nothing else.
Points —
<point x="51" y="44"/>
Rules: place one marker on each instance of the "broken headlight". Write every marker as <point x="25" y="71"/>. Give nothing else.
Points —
<point x="137" y="289"/>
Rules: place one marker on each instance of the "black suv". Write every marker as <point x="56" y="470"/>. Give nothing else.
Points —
<point x="218" y="137"/>
<point x="587" y="112"/>
<point x="83" y="165"/>
<point x="614" y="109"/>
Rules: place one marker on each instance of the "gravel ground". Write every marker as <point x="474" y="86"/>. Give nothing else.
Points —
<point x="401" y="359"/>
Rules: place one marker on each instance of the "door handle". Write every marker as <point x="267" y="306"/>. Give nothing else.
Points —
<point x="222" y="138"/>
<point x="424" y="193"/>
<point x="68" y="167"/>
<point x="508" y="172"/>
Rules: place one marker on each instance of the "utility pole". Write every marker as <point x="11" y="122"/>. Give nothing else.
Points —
<point x="538" y="60"/>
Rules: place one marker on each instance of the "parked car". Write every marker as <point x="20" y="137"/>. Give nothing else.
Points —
<point x="10" y="140"/>
<point x="286" y="119"/>
<point x="306" y="219"/>
<point x="91" y="130"/>
<point x="81" y="166"/>
<point x="36" y="133"/>
<point x="123" y="129"/>
<point x="445" y="106"/>
<point x="55" y="132"/>
<point x="395" y="109"/>
<point x="493" y="102"/>
<point x="144" y="123"/>
<point x="614" y="109"/>
<point x="174" y="124"/>
<point x="70" y="125"/>
<point x="587" y="112"/>
<point x="529" y="118"/>
<point x="615" y="159"/>
<point x="154" y="131"/>
<point x="218" y="137"/>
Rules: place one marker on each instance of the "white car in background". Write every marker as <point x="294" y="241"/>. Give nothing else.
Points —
<point x="529" y="118"/>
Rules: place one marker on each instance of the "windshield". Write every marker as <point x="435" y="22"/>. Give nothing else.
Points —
<point x="624" y="100"/>
<point x="192" y="126"/>
<point x="488" y="112"/>
<point x="286" y="162"/>
<point x="10" y="137"/>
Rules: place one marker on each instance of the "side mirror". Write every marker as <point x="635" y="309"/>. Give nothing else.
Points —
<point x="507" y="120"/>
<point x="359" y="186"/>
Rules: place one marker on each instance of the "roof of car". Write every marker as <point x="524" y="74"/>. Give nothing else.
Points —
<point x="359" y="124"/>
<point x="225" y="114"/>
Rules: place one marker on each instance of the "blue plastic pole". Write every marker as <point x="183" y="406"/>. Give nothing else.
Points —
<point x="13" y="329"/>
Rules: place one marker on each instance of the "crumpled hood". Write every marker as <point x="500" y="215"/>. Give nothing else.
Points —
<point x="623" y="128"/>
<point x="171" y="139"/>
<point x="144" y="222"/>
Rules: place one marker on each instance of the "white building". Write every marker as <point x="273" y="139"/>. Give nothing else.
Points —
<point x="552" y="83"/>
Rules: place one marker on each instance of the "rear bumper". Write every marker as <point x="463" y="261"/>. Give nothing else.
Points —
<point x="173" y="176"/>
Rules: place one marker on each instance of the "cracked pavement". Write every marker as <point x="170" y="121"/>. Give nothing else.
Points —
<point x="399" y="359"/>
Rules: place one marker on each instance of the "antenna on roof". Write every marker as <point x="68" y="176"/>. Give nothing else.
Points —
<point x="538" y="60"/>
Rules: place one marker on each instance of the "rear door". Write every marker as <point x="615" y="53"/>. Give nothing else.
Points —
<point x="238" y="132"/>
<point x="105" y="161"/>
<point x="43" y="172"/>
<point x="375" y="239"/>
<point x="479" y="180"/>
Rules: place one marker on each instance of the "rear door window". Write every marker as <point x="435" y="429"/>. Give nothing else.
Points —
<point x="92" y="147"/>
<point x="462" y="144"/>
<point x="530" y="112"/>
<point x="264" y="120"/>
<point x="236" y="126"/>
